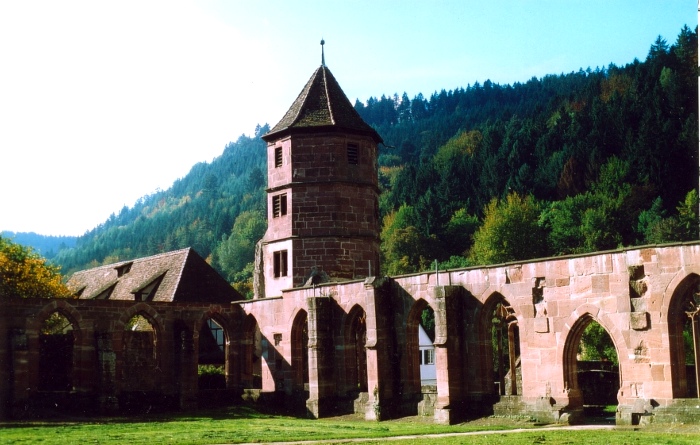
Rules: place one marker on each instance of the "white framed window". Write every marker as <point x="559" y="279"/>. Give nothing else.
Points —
<point x="280" y="263"/>
<point x="428" y="357"/>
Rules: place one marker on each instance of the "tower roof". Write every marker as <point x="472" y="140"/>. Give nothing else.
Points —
<point x="322" y="106"/>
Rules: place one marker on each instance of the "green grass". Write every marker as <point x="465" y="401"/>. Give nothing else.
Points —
<point x="242" y="424"/>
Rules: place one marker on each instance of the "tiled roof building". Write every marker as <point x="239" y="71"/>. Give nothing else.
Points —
<point x="177" y="276"/>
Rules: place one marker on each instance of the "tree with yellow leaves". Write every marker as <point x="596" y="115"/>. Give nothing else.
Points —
<point x="25" y="274"/>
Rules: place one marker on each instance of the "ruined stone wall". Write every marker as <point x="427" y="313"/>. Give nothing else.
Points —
<point x="628" y="292"/>
<point x="108" y="361"/>
<point x="307" y="346"/>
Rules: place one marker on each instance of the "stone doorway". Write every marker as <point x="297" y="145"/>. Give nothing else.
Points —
<point x="591" y="372"/>
<point x="56" y="355"/>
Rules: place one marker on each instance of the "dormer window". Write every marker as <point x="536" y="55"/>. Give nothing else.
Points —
<point x="353" y="156"/>
<point x="123" y="269"/>
<point x="105" y="294"/>
<point x="147" y="292"/>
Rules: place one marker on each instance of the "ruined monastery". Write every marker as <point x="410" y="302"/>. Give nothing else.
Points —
<point x="326" y="335"/>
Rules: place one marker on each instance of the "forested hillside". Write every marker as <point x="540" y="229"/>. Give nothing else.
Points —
<point x="46" y="245"/>
<point x="569" y="163"/>
<point x="198" y="211"/>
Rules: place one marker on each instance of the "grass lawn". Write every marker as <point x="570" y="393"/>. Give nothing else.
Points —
<point x="242" y="424"/>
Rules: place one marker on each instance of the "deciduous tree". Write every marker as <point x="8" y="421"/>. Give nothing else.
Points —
<point x="25" y="274"/>
<point x="510" y="231"/>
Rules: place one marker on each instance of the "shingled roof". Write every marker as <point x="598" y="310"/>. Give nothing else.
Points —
<point x="322" y="105"/>
<point x="180" y="275"/>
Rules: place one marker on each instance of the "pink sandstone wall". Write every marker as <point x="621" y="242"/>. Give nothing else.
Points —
<point x="637" y="295"/>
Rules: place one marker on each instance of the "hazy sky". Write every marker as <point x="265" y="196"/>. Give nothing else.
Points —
<point x="102" y="102"/>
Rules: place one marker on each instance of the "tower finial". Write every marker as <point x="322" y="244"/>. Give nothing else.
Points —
<point x="323" y="56"/>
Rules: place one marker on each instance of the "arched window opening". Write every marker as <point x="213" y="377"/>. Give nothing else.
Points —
<point x="56" y="354"/>
<point x="356" y="354"/>
<point x="300" y="351"/>
<point x="505" y="342"/>
<point x="252" y="354"/>
<point x="684" y="338"/>
<point x="591" y="369"/>
<point x="411" y="376"/>
<point x="140" y="364"/>
<point x="691" y="345"/>
<point x="212" y="356"/>
<point x="426" y="337"/>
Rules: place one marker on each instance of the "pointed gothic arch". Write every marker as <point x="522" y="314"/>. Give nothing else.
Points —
<point x="499" y="346"/>
<point x="684" y="347"/>
<point x="355" y="339"/>
<point x="58" y="352"/>
<point x="251" y="354"/>
<point x="579" y="321"/>
<point x="67" y="351"/>
<point x="411" y="368"/>
<point x="140" y="352"/>
<point x="213" y="350"/>
<point x="300" y="351"/>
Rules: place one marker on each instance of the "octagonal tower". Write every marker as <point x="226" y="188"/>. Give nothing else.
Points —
<point x="322" y="195"/>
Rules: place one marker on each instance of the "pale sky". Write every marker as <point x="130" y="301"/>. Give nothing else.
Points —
<point x="103" y="102"/>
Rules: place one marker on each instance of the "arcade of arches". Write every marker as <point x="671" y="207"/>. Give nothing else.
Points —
<point x="506" y="341"/>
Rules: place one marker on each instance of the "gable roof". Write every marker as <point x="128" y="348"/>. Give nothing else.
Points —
<point x="180" y="275"/>
<point x="322" y="105"/>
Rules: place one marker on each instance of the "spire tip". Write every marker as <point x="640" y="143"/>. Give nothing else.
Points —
<point x="323" y="56"/>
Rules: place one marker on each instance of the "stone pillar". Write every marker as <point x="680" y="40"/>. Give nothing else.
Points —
<point x="448" y="357"/>
<point x="380" y="384"/>
<point x="106" y="371"/>
<point x="189" y="383"/>
<point x="5" y="371"/>
<point x="19" y="371"/>
<point x="321" y="355"/>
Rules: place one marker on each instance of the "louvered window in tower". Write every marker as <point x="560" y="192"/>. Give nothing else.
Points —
<point x="278" y="157"/>
<point x="352" y="154"/>
<point x="279" y="205"/>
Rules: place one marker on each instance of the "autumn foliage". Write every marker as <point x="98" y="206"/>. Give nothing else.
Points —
<point x="25" y="274"/>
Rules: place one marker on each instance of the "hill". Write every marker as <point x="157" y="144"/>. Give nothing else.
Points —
<point x="568" y="163"/>
<point x="46" y="245"/>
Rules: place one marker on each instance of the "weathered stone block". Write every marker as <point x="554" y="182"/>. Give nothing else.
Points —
<point x="600" y="284"/>
<point x="541" y="324"/>
<point x="639" y="320"/>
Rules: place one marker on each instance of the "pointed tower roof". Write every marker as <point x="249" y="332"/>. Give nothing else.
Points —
<point x="321" y="106"/>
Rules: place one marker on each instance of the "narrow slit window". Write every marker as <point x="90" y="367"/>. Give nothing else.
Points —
<point x="353" y="154"/>
<point x="278" y="156"/>
<point x="280" y="263"/>
<point x="279" y="205"/>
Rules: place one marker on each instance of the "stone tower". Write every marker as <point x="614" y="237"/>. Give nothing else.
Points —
<point x="322" y="195"/>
